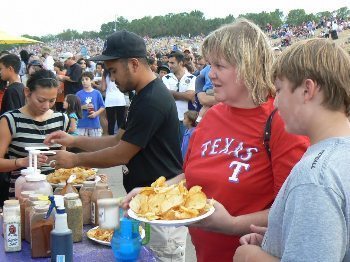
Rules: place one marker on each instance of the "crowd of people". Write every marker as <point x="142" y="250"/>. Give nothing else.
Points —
<point x="225" y="112"/>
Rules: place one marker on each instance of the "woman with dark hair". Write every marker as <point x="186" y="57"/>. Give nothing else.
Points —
<point x="24" y="56"/>
<point x="28" y="125"/>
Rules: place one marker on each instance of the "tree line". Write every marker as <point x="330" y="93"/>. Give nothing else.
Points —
<point x="193" y="24"/>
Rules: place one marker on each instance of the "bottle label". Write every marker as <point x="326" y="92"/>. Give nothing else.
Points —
<point x="60" y="258"/>
<point x="12" y="231"/>
<point x="101" y="215"/>
<point x="93" y="212"/>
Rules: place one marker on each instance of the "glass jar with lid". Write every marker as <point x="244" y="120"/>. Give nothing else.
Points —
<point x="85" y="195"/>
<point x="74" y="210"/>
<point x="40" y="229"/>
<point x="12" y="226"/>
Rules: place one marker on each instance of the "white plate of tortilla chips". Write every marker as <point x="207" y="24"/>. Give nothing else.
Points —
<point x="61" y="175"/>
<point x="173" y="205"/>
<point x="104" y="236"/>
<point x="176" y="223"/>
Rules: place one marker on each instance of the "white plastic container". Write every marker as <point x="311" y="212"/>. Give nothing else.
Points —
<point x="21" y="180"/>
<point x="12" y="226"/>
<point x="38" y="184"/>
<point x="108" y="213"/>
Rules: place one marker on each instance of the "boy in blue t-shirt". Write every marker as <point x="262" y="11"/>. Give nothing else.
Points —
<point x="92" y="105"/>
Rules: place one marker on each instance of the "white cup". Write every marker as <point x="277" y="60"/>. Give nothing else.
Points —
<point x="108" y="211"/>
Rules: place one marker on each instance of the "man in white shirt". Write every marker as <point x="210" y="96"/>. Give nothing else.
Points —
<point x="48" y="62"/>
<point x="181" y="85"/>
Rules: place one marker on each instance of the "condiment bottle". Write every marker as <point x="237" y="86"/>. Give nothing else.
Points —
<point x="22" y="202"/>
<point x="40" y="231"/>
<point x="101" y="191"/>
<point x="74" y="209"/>
<point x="59" y="188"/>
<point x="28" y="207"/>
<point x="21" y="180"/>
<point x="85" y="194"/>
<point x="12" y="226"/>
<point x="61" y="235"/>
<point x="108" y="210"/>
<point x="69" y="188"/>
<point x="38" y="184"/>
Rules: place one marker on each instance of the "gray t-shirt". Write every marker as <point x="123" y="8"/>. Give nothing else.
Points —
<point x="309" y="220"/>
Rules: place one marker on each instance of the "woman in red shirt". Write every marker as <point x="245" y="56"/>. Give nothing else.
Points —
<point x="226" y="154"/>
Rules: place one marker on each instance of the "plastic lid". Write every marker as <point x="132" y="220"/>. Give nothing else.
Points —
<point x="108" y="202"/>
<point x="71" y="196"/>
<point x="34" y="197"/>
<point x="89" y="183"/>
<point x="11" y="202"/>
<point x="61" y="184"/>
<point x="26" y="194"/>
<point x="102" y="185"/>
<point x="35" y="178"/>
<point x="29" y="171"/>
<point x="41" y="207"/>
<point x="41" y="203"/>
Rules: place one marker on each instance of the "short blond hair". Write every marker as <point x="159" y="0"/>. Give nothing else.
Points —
<point x="244" y="45"/>
<point x="324" y="62"/>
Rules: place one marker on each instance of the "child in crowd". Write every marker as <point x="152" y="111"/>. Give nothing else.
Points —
<point x="13" y="97"/>
<point x="310" y="218"/>
<point x="92" y="105"/>
<point x="189" y="122"/>
<point x="72" y="106"/>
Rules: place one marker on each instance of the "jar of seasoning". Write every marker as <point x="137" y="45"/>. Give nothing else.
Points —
<point x="12" y="226"/>
<point x="101" y="191"/>
<point x="40" y="229"/>
<point x="85" y="195"/>
<point x="22" y="202"/>
<point x="28" y="207"/>
<point x="74" y="210"/>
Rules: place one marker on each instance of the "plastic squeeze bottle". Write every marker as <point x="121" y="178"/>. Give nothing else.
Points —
<point x="61" y="236"/>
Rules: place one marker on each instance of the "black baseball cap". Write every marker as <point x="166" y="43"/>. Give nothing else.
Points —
<point x="122" y="44"/>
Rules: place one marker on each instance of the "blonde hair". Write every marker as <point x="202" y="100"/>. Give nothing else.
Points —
<point x="244" y="45"/>
<point x="324" y="62"/>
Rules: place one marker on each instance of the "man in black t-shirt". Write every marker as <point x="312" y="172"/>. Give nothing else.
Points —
<point x="148" y="141"/>
<point x="72" y="79"/>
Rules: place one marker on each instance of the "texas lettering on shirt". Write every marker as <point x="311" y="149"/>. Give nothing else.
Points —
<point x="231" y="147"/>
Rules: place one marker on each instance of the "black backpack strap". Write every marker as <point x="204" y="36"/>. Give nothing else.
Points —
<point x="267" y="133"/>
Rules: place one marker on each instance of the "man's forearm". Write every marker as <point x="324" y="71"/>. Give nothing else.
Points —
<point x="104" y="158"/>
<point x="185" y="96"/>
<point x="91" y="144"/>
<point x="206" y="100"/>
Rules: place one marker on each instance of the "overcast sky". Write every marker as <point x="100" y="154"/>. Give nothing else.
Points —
<point x="42" y="17"/>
